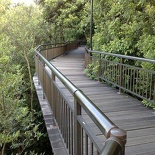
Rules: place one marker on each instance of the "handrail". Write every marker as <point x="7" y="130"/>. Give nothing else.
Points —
<point x="50" y="45"/>
<point x="107" y="127"/>
<point x="122" y="56"/>
<point x="123" y="75"/>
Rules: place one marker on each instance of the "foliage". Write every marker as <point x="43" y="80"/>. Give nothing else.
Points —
<point x="16" y="124"/>
<point x="121" y="26"/>
<point x="124" y="27"/>
<point x="92" y="71"/>
<point x="148" y="104"/>
<point x="68" y="19"/>
<point x="21" y="29"/>
<point x="22" y="34"/>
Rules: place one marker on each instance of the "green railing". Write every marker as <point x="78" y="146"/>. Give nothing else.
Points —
<point x="70" y="116"/>
<point x="124" y="72"/>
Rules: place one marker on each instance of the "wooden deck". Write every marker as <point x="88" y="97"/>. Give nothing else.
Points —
<point x="125" y="111"/>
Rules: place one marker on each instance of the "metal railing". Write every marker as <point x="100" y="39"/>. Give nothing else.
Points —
<point x="124" y="72"/>
<point x="71" y="114"/>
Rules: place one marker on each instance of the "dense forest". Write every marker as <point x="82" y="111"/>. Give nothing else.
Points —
<point x="21" y="126"/>
<point x="119" y="26"/>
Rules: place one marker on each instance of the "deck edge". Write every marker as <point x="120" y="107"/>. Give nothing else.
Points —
<point x="56" y="141"/>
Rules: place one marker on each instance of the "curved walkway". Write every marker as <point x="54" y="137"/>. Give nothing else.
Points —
<point x="125" y="111"/>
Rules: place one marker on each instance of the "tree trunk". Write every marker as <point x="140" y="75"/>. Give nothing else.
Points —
<point x="30" y="78"/>
<point x="3" y="149"/>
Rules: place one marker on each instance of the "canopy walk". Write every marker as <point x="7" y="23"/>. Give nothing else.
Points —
<point x="73" y="124"/>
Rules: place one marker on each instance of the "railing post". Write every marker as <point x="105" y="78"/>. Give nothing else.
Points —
<point x="116" y="143"/>
<point x="53" y="101"/>
<point x="46" y="52"/>
<point x="37" y="67"/>
<point x="77" y="129"/>
<point x="121" y="76"/>
<point x="44" y="81"/>
<point x="86" y="58"/>
<point x="99" y="68"/>
<point x="121" y="136"/>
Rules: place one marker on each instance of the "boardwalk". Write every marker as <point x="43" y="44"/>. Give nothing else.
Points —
<point x="125" y="111"/>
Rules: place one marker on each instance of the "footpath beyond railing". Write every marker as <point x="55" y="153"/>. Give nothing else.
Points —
<point x="124" y="72"/>
<point x="77" y="134"/>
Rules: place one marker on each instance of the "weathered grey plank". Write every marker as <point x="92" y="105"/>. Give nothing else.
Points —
<point x="126" y="112"/>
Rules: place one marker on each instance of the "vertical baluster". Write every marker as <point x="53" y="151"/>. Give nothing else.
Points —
<point x="108" y="70"/>
<point x="111" y="75"/>
<point x="127" y="68"/>
<point x="125" y="76"/>
<point x="121" y="78"/>
<point x="140" y="80"/>
<point x="63" y="119"/>
<point x="37" y="67"/>
<point x="106" y="76"/>
<point x="105" y="69"/>
<point x="58" y="105"/>
<point x="60" y="113"/>
<point x="72" y="133"/>
<point x="144" y="88"/>
<point x="86" y="144"/>
<point x="69" y="131"/>
<point x="99" y="68"/>
<point x="57" y="102"/>
<point x="67" y="126"/>
<point x="151" y="88"/>
<point x="82" y="143"/>
<point x="147" y="85"/>
<point x="44" y="81"/>
<point x="137" y="81"/>
<point x="77" y="129"/>
<point x="128" y="77"/>
<point x="53" y="94"/>
<point x="113" y="72"/>
<point x="50" y="91"/>
<point x="133" y="80"/>
<point x="117" y="73"/>
<point x="91" y="148"/>
<point x="114" y="68"/>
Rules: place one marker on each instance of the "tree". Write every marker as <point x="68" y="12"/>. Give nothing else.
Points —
<point x="21" y="29"/>
<point x="123" y="26"/>
<point x="66" y="18"/>
<point x="16" y="127"/>
<point x="22" y="33"/>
